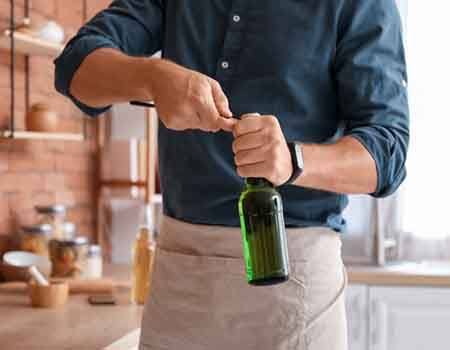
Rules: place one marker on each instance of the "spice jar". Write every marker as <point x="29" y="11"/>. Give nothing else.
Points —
<point x="94" y="265"/>
<point x="55" y="216"/>
<point x="34" y="239"/>
<point x="69" y="230"/>
<point x="69" y="257"/>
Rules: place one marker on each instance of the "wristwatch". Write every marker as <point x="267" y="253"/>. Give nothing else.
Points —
<point x="297" y="161"/>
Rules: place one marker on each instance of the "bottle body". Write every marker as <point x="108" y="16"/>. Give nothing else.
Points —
<point x="263" y="233"/>
<point x="143" y="257"/>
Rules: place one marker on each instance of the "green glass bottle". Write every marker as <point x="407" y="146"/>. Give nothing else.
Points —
<point x="264" y="233"/>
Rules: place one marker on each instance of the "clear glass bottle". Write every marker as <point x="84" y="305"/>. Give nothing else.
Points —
<point x="143" y="256"/>
<point x="264" y="233"/>
<point x="94" y="263"/>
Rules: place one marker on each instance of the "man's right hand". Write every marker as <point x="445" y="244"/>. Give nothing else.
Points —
<point x="186" y="99"/>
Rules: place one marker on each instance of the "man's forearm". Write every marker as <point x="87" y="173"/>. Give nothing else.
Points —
<point x="108" y="76"/>
<point x="343" y="167"/>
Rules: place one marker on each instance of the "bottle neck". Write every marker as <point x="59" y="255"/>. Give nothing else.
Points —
<point x="145" y="234"/>
<point x="257" y="182"/>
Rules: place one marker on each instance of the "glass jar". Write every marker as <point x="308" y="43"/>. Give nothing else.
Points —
<point x="34" y="239"/>
<point x="54" y="215"/>
<point x="69" y="257"/>
<point x="69" y="230"/>
<point x="94" y="265"/>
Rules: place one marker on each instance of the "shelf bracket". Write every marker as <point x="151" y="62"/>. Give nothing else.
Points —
<point x="12" y="27"/>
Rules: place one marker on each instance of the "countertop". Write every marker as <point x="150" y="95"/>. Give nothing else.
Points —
<point x="425" y="274"/>
<point x="78" y="325"/>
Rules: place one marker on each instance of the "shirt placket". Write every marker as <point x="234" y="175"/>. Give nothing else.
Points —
<point x="227" y="63"/>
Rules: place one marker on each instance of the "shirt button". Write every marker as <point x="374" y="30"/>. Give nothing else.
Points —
<point x="236" y="18"/>
<point x="225" y="65"/>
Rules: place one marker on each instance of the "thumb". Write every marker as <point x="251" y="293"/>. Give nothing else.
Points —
<point x="221" y="101"/>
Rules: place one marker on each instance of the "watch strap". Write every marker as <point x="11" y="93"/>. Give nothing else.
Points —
<point x="297" y="164"/>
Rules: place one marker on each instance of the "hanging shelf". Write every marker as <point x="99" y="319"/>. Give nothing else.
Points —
<point x="28" y="45"/>
<point x="18" y="42"/>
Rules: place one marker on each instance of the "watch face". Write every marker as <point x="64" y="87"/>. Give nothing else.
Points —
<point x="299" y="155"/>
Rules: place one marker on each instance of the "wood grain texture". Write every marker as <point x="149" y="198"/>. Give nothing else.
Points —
<point x="77" y="325"/>
<point x="384" y="276"/>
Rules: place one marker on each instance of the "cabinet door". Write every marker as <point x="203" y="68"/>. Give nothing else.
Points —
<point x="404" y="318"/>
<point x="357" y="316"/>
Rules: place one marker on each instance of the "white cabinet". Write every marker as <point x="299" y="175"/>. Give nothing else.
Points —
<point x="356" y="302"/>
<point x="403" y="318"/>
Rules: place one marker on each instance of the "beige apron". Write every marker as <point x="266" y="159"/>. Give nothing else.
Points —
<point x="200" y="298"/>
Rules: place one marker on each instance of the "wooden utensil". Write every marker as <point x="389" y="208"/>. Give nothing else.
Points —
<point x="90" y="287"/>
<point x="100" y="286"/>
<point x="38" y="276"/>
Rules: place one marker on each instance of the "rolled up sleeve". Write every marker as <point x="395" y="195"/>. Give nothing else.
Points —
<point x="371" y="80"/>
<point x="131" y="26"/>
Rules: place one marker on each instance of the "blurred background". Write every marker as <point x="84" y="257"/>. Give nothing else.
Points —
<point x="92" y="178"/>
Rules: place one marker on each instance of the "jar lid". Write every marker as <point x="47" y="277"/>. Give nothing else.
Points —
<point x="51" y="209"/>
<point x="69" y="228"/>
<point x="77" y="241"/>
<point x="95" y="249"/>
<point x="43" y="229"/>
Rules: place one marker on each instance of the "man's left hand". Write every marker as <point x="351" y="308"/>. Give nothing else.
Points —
<point x="260" y="149"/>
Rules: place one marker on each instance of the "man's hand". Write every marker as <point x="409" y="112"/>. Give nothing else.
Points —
<point x="186" y="99"/>
<point x="261" y="150"/>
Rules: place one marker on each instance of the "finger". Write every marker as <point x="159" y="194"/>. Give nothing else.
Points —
<point x="248" y="123"/>
<point x="243" y="116"/>
<point x="248" y="141"/>
<point x="213" y="119"/>
<point x="253" y="170"/>
<point x="251" y="156"/>
<point x="226" y="124"/>
<point x="220" y="100"/>
<point x="208" y="113"/>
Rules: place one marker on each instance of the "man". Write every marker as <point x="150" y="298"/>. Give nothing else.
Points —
<point x="328" y="76"/>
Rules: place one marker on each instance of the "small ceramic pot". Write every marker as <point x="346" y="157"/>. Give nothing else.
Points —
<point x="41" y="118"/>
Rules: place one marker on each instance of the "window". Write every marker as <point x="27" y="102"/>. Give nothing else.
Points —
<point x="426" y="204"/>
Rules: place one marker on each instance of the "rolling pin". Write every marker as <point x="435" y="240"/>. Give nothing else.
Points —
<point x="98" y="286"/>
<point x="76" y="286"/>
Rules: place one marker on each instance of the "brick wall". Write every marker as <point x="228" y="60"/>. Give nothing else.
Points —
<point x="44" y="172"/>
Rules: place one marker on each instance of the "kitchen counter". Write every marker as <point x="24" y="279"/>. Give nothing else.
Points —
<point x="78" y="325"/>
<point x="426" y="274"/>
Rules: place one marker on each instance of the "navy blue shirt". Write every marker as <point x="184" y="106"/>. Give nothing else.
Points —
<point x="319" y="66"/>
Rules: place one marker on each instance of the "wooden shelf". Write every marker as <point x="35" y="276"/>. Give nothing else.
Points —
<point x="30" y="135"/>
<point x="122" y="183"/>
<point x="28" y="45"/>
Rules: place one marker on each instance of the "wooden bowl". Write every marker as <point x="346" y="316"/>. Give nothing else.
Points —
<point x="52" y="296"/>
